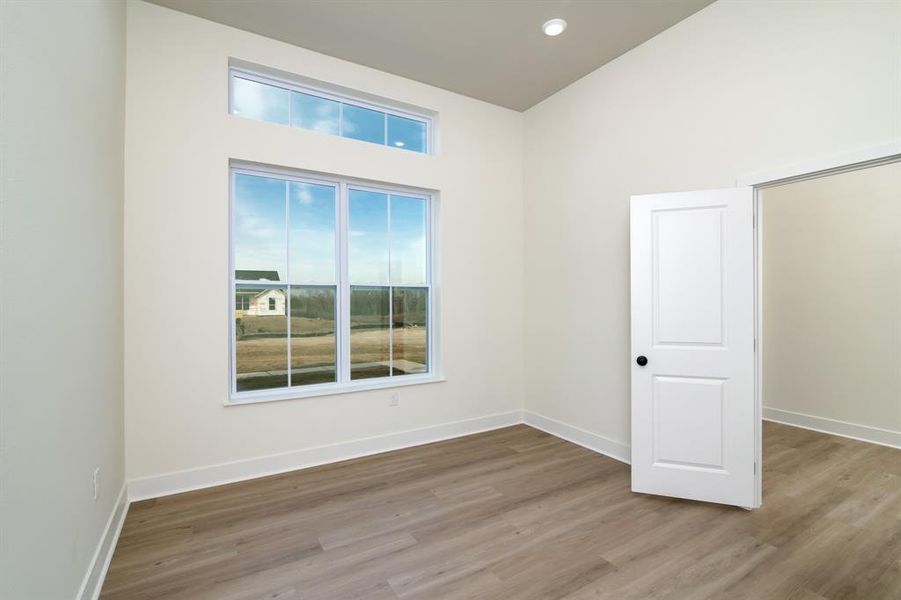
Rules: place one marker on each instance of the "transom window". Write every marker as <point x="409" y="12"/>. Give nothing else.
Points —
<point x="331" y="285"/>
<point x="275" y="101"/>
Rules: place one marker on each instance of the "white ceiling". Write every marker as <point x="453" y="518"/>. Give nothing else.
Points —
<point x="492" y="50"/>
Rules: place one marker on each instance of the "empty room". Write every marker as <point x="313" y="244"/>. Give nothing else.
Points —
<point x="426" y="299"/>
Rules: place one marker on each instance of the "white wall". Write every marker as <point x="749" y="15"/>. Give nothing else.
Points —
<point x="832" y="297"/>
<point x="179" y="139"/>
<point x="737" y="88"/>
<point x="62" y="98"/>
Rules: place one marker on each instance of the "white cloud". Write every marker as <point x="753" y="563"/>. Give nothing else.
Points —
<point x="304" y="194"/>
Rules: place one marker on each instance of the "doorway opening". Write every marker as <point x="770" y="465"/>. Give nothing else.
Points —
<point x="698" y="285"/>
<point x="828" y="318"/>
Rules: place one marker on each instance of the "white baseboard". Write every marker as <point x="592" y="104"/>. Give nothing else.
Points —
<point x="592" y="441"/>
<point x="93" y="579"/>
<point x="863" y="433"/>
<point x="204" y="477"/>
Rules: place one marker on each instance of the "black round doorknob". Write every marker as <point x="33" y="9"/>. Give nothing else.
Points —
<point x="642" y="361"/>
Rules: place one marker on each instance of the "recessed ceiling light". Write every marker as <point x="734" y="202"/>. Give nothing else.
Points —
<point x="554" y="27"/>
<point x="399" y="144"/>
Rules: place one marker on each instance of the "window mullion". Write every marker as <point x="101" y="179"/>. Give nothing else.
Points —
<point x="343" y="328"/>
<point x="390" y="332"/>
<point x="288" y="274"/>
<point x="233" y="342"/>
<point x="290" y="108"/>
<point x="341" y="119"/>
<point x="390" y="297"/>
<point x="430" y="350"/>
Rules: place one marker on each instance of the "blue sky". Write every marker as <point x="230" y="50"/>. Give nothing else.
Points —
<point x="408" y="234"/>
<point x="260" y="243"/>
<point x="261" y="102"/>
<point x="269" y="103"/>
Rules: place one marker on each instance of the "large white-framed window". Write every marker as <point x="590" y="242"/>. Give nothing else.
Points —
<point x="332" y="285"/>
<point x="276" y="100"/>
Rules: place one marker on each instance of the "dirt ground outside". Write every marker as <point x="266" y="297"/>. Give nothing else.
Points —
<point x="263" y="356"/>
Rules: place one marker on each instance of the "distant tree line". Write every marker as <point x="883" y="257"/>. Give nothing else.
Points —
<point x="368" y="305"/>
<point x="313" y="302"/>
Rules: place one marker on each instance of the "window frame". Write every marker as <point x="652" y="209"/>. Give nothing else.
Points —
<point x="339" y="97"/>
<point x="342" y="285"/>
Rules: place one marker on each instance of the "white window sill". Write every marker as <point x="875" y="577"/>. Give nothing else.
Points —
<point x="328" y="389"/>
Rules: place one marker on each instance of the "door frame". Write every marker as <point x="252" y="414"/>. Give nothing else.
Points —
<point x="861" y="158"/>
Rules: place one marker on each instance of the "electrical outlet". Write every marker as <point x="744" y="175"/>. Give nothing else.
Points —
<point x="395" y="399"/>
<point x="96" y="481"/>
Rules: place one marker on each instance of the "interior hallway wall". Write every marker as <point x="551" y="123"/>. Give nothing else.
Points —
<point x="832" y="297"/>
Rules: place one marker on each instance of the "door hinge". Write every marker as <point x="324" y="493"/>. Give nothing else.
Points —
<point x="755" y="467"/>
<point x="755" y="344"/>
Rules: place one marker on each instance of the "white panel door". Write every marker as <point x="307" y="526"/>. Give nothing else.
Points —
<point x="693" y="413"/>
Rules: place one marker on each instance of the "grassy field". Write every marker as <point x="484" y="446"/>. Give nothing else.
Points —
<point x="249" y="327"/>
<point x="260" y="353"/>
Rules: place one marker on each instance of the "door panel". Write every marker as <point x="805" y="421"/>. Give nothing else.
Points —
<point x="693" y="318"/>
<point x="688" y="422"/>
<point x="688" y="276"/>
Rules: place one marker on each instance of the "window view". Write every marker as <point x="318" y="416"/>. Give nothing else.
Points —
<point x="288" y="288"/>
<point x="284" y="231"/>
<point x="314" y="113"/>
<point x="370" y="332"/>
<point x="261" y="102"/>
<point x="409" y="315"/>
<point x="261" y="338"/>
<point x="262" y="99"/>
<point x="363" y="124"/>
<point x="406" y="133"/>
<point x="313" y="335"/>
<point x="387" y="247"/>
